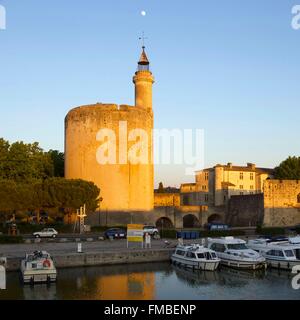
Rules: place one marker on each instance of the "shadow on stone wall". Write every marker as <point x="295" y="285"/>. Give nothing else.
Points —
<point x="245" y="211"/>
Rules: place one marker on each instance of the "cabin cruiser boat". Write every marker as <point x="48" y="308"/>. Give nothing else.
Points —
<point x="281" y="253"/>
<point x="195" y="256"/>
<point x="234" y="253"/>
<point x="38" y="267"/>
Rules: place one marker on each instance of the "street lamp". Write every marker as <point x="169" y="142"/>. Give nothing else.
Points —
<point x="99" y="212"/>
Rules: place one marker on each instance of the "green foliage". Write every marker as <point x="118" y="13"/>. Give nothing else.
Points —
<point x="270" y="231"/>
<point x="58" y="159"/>
<point x="288" y="169"/>
<point x="49" y="195"/>
<point x="10" y="239"/>
<point x="168" y="233"/>
<point x="20" y="161"/>
<point x="297" y="230"/>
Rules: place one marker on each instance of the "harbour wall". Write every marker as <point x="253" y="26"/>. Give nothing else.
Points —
<point x="101" y="258"/>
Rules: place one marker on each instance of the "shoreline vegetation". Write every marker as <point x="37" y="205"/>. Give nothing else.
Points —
<point x="33" y="187"/>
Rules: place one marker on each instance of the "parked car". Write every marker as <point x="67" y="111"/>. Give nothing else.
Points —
<point x="46" y="233"/>
<point x="115" y="233"/>
<point x="217" y="226"/>
<point x="152" y="230"/>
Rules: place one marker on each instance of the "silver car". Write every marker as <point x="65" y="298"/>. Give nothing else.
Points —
<point x="46" y="233"/>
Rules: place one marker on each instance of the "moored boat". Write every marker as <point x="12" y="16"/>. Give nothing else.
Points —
<point x="279" y="253"/>
<point x="196" y="256"/>
<point x="234" y="253"/>
<point x="38" y="267"/>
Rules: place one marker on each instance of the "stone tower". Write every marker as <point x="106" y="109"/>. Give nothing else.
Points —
<point x="126" y="183"/>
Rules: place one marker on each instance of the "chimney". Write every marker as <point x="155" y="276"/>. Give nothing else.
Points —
<point x="251" y="166"/>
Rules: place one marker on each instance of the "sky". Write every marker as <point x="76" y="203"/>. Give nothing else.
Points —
<point x="229" y="67"/>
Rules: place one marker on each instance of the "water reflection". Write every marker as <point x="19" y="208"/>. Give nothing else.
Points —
<point x="224" y="277"/>
<point x="155" y="281"/>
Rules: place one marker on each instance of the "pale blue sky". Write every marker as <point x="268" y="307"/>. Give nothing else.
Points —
<point x="230" y="67"/>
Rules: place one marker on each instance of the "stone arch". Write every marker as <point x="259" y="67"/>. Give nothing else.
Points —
<point x="214" y="218"/>
<point x="191" y="221"/>
<point x="164" y="223"/>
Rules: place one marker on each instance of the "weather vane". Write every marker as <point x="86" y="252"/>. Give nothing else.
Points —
<point x="143" y="38"/>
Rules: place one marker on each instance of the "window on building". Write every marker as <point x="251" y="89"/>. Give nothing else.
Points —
<point x="204" y="187"/>
<point x="241" y="187"/>
<point x="206" y="175"/>
<point x="186" y="200"/>
<point x="251" y="187"/>
<point x="251" y="176"/>
<point x="241" y="176"/>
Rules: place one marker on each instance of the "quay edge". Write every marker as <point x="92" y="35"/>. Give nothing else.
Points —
<point x="87" y="259"/>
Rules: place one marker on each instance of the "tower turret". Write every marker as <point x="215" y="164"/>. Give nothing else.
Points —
<point x="143" y="81"/>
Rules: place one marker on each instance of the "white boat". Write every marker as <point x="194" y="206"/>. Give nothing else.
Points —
<point x="281" y="254"/>
<point x="196" y="256"/>
<point x="234" y="253"/>
<point x="38" y="267"/>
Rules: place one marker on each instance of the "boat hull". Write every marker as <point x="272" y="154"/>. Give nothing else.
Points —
<point x="30" y="277"/>
<point x="247" y="265"/>
<point x="207" y="265"/>
<point x="282" y="264"/>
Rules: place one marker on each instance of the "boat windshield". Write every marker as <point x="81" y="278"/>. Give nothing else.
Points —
<point x="237" y="246"/>
<point x="207" y="255"/>
<point x="289" y="253"/>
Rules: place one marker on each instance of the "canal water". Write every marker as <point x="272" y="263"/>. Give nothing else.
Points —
<point x="158" y="281"/>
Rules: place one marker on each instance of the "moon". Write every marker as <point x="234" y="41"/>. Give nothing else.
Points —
<point x="143" y="13"/>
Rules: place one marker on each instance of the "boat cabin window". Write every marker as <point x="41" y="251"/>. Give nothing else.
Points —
<point x="275" y="253"/>
<point x="289" y="253"/>
<point x="214" y="256"/>
<point x="237" y="246"/>
<point x="191" y="255"/>
<point x="200" y="255"/>
<point x="180" y="252"/>
<point x="297" y="253"/>
<point x="218" y="247"/>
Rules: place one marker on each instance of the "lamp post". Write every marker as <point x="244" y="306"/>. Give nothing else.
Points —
<point x="99" y="212"/>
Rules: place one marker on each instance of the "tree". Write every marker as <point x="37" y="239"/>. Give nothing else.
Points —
<point x="289" y="169"/>
<point x="161" y="188"/>
<point x="58" y="159"/>
<point x="50" y="195"/>
<point x="20" y="161"/>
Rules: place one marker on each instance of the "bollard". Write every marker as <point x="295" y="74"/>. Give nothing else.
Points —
<point x="2" y="278"/>
<point x="79" y="248"/>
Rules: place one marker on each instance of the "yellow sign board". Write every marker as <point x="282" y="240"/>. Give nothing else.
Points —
<point x="135" y="233"/>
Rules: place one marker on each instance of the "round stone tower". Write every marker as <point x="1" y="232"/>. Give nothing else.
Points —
<point x="112" y="146"/>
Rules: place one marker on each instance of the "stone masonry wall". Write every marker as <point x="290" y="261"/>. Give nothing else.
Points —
<point x="282" y="202"/>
